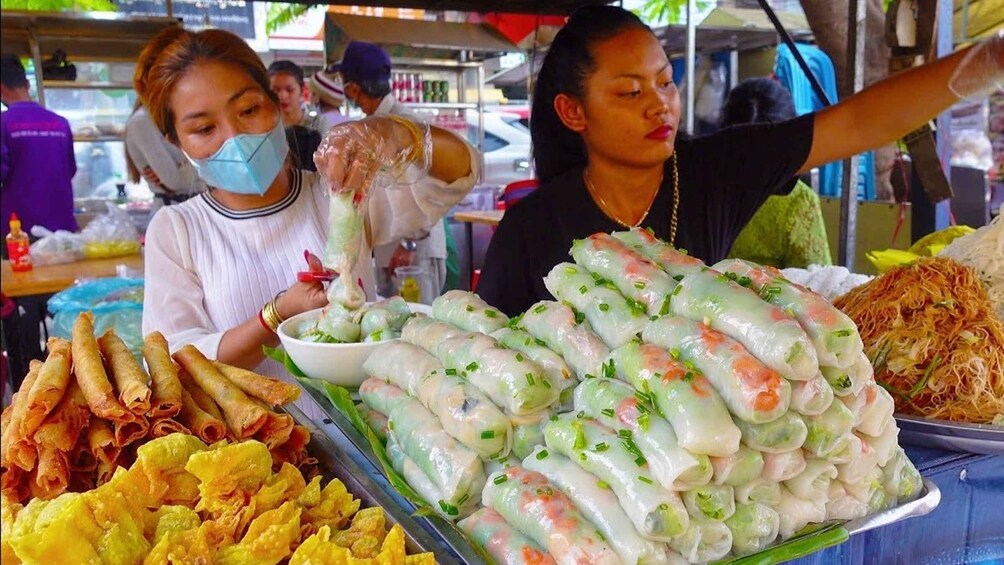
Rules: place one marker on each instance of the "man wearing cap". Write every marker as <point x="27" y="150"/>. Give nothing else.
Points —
<point x="366" y="71"/>
<point x="329" y="94"/>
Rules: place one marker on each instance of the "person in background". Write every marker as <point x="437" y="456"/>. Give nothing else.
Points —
<point x="787" y="230"/>
<point x="149" y="155"/>
<point x="303" y="142"/>
<point x="329" y="93"/>
<point x="366" y="71"/>
<point x="36" y="148"/>
<point x="287" y="82"/>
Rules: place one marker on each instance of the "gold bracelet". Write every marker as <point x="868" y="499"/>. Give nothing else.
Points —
<point x="271" y="315"/>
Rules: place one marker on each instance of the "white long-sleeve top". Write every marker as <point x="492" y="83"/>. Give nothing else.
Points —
<point x="147" y="147"/>
<point x="209" y="268"/>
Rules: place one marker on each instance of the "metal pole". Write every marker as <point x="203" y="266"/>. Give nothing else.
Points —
<point x="690" y="63"/>
<point x="786" y="38"/>
<point x="856" y="78"/>
<point x="36" y="56"/>
<point x="169" y="7"/>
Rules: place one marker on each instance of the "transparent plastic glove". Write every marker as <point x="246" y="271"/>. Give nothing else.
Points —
<point x="375" y="151"/>
<point x="981" y="71"/>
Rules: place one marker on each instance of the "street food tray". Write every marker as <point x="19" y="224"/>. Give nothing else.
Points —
<point x="985" y="439"/>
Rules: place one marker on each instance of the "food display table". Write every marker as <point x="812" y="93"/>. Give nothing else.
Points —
<point x="483" y="217"/>
<point x="54" y="278"/>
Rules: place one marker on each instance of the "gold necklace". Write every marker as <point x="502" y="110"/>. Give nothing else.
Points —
<point x="605" y="208"/>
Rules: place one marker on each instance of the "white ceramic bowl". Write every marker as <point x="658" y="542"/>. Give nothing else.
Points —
<point x="337" y="363"/>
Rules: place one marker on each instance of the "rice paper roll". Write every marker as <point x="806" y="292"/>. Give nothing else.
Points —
<point x="811" y="397"/>
<point x="849" y="380"/>
<point x="513" y="382"/>
<point x="754" y="527"/>
<point x="710" y="502"/>
<point x="401" y="364"/>
<point x="783" y="466"/>
<point x="375" y="420"/>
<point x="796" y="513"/>
<point x="569" y="334"/>
<point x="684" y="397"/>
<point x="842" y="506"/>
<point x="554" y="366"/>
<point x="759" y="491"/>
<point x="657" y="513"/>
<point x="383" y="320"/>
<point x="381" y="397"/>
<point x="901" y="478"/>
<point x="337" y="323"/>
<point x="538" y="509"/>
<point x="752" y="391"/>
<point x="741" y="467"/>
<point x="598" y="504"/>
<point x="826" y="430"/>
<point x="847" y="448"/>
<point x="865" y="489"/>
<point x="863" y="458"/>
<point x="703" y="541"/>
<point x="631" y="272"/>
<point x="814" y="481"/>
<point x="765" y="330"/>
<point x="427" y="332"/>
<point x="493" y="466"/>
<point x="784" y="434"/>
<point x="467" y="311"/>
<point x="504" y="543"/>
<point x="872" y="408"/>
<point x="675" y="262"/>
<point x="416" y="478"/>
<point x="526" y="437"/>
<point x="884" y="446"/>
<point x="617" y="406"/>
<point x="833" y="333"/>
<point x="616" y="319"/>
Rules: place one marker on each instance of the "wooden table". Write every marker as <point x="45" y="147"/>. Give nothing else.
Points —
<point x="483" y="217"/>
<point x="54" y="278"/>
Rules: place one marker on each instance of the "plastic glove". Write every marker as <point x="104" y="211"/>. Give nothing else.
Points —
<point x="375" y="151"/>
<point x="981" y="71"/>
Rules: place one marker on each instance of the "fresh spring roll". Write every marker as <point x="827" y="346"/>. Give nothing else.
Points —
<point x="827" y="429"/>
<point x="657" y="513"/>
<point x="759" y="491"/>
<point x="560" y="373"/>
<point x="780" y="436"/>
<point x="383" y="320"/>
<point x="814" y="481"/>
<point x="884" y="446"/>
<point x="244" y="417"/>
<point x="842" y="506"/>
<point x="165" y="398"/>
<point x="416" y="479"/>
<point x="90" y="371"/>
<point x="871" y="491"/>
<point x="513" y="382"/>
<point x="337" y="324"/>
<point x="863" y="459"/>
<point x="872" y="408"/>
<point x="752" y="391"/>
<point x="467" y="311"/>
<point x="849" y="380"/>
<point x="631" y="272"/>
<point x="346" y="229"/>
<point x="675" y="262"/>
<point x="493" y="466"/>
<point x="797" y="513"/>
<point x="811" y="397"/>
<point x="783" y="466"/>
<point x="703" y="541"/>
<point x="901" y="479"/>
<point x="833" y="333"/>
<point x="455" y="470"/>
<point x="846" y="449"/>
<point x="569" y="334"/>
<point x="49" y="387"/>
<point x="269" y="390"/>
<point x="465" y="412"/>
<point x="764" y="329"/>
<point x="538" y="509"/>
<point x="754" y="527"/>
<point x="613" y="317"/>
<point x="130" y="379"/>
<point x="710" y="502"/>
<point x="614" y="404"/>
<point x="684" y="397"/>
<point x="739" y="468"/>
<point x="428" y="333"/>
<point x="598" y="504"/>
<point x="504" y="543"/>
<point x="526" y="437"/>
<point x="375" y="420"/>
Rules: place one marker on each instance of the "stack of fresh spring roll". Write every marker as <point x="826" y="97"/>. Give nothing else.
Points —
<point x="86" y="409"/>
<point x="659" y="411"/>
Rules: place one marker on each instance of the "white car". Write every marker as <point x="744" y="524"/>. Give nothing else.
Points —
<point x="506" y="149"/>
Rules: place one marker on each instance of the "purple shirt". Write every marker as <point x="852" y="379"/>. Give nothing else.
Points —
<point x="37" y="168"/>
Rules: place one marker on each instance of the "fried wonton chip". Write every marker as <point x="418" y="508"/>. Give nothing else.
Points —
<point x="366" y="534"/>
<point x="334" y="508"/>
<point x="159" y="475"/>
<point x="287" y="484"/>
<point x="270" y="538"/>
<point x="191" y="547"/>
<point x="230" y="472"/>
<point x="170" y="519"/>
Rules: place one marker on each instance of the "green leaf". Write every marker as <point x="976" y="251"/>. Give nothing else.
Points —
<point x="799" y="546"/>
<point x="279" y="354"/>
<point x="280" y="14"/>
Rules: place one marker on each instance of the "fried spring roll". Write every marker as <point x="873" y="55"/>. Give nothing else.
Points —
<point x="201" y="397"/>
<point x="90" y="371"/>
<point x="270" y="391"/>
<point x="53" y="473"/>
<point x="64" y="425"/>
<point x="14" y="483"/>
<point x="101" y="440"/>
<point x="131" y="430"/>
<point x="81" y="458"/>
<point x="243" y="416"/>
<point x="165" y="400"/>
<point x="130" y="379"/>
<point x="15" y="450"/>
<point x="49" y="388"/>
<point x="276" y="430"/>
<point x="105" y="471"/>
<point x="166" y="426"/>
<point x="81" y="481"/>
<point x="203" y="425"/>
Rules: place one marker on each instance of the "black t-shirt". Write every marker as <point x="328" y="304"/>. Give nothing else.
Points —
<point x="724" y="178"/>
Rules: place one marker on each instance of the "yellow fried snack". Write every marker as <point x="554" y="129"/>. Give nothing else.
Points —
<point x="270" y="538"/>
<point x="228" y="473"/>
<point x="318" y="549"/>
<point x="191" y="547"/>
<point x="159" y="476"/>
<point x="334" y="509"/>
<point x="366" y="534"/>
<point x="167" y="520"/>
<point x="285" y="485"/>
<point x="9" y="509"/>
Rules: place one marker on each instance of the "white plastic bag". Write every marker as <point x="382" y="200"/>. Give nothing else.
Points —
<point x="55" y="248"/>
<point x="110" y="235"/>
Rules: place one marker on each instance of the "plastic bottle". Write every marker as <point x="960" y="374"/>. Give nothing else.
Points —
<point x="18" y="246"/>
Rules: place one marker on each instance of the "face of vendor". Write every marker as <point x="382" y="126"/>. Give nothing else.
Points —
<point x="290" y="94"/>
<point x="631" y="108"/>
<point x="215" y="101"/>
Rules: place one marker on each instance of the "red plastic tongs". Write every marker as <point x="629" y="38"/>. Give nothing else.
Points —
<point x="316" y="270"/>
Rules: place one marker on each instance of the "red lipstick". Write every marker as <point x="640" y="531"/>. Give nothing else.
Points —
<point x="661" y="133"/>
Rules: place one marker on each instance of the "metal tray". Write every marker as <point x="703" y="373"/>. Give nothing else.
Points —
<point x="929" y="499"/>
<point x="942" y="434"/>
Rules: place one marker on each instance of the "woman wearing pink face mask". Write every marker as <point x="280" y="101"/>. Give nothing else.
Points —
<point x="214" y="261"/>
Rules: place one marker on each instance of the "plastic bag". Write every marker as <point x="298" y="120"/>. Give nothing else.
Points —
<point x="117" y="303"/>
<point x="110" y="235"/>
<point x="55" y="248"/>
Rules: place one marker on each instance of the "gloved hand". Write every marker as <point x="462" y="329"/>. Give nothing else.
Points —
<point x="375" y="151"/>
<point x="981" y="71"/>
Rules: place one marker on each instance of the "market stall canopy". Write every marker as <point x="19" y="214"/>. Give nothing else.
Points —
<point x="514" y="6"/>
<point x="415" y="38"/>
<point x="977" y="18"/>
<point x="84" y="37"/>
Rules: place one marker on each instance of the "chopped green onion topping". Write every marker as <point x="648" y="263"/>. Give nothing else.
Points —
<point x="640" y="461"/>
<point x="583" y="289"/>
<point x="529" y="379"/>
<point x="500" y="479"/>
<point x="470" y="308"/>
<point x="451" y="372"/>
<point x="449" y="508"/>
<point x="600" y="447"/>
<point x="580" y="414"/>
<point x="604" y="307"/>
<point x="675" y="354"/>
<point x="580" y="317"/>
<point x="540" y="309"/>
<point x="542" y="454"/>
<point x="491" y="313"/>
<point x="539" y="342"/>
<point x="663" y="506"/>
<point x="600" y="535"/>
<point x="689" y="377"/>
<point x="519" y="357"/>
<point x="678" y="278"/>
<point x="843" y="333"/>
<point x="582" y="456"/>
<point x="609" y="370"/>
<point x="624" y="434"/>
<point x="665" y="306"/>
<point x="488" y="434"/>
<point x="463" y="499"/>
<point x="571" y="270"/>
<point x="472" y="366"/>
<point x="603" y="484"/>
<point x="553" y="418"/>
<point x="639" y="285"/>
<point x="643" y="421"/>
<point x="645" y="480"/>
<point x="608" y="412"/>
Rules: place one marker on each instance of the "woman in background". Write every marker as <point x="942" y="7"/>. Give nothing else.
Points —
<point x="287" y="82"/>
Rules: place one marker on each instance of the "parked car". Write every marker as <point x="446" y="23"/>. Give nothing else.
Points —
<point x="506" y="149"/>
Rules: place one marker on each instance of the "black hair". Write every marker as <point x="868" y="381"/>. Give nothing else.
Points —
<point x="12" y="72"/>
<point x="303" y="142"/>
<point x="373" y="88"/>
<point x="288" y="67"/>
<point x="757" y="100"/>
<point x="568" y="63"/>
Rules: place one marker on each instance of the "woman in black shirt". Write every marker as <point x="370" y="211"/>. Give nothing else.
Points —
<point x="604" y="129"/>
